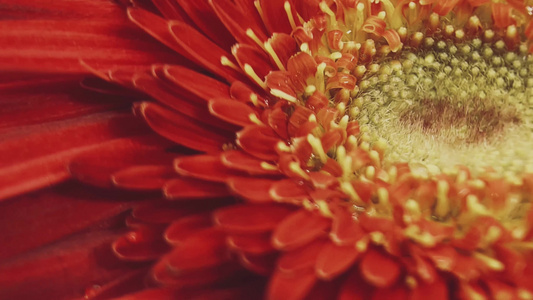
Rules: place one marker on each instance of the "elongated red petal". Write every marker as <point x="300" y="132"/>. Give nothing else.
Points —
<point x="250" y="218"/>
<point x="290" y="286"/>
<point x="379" y="269"/>
<point x="241" y="161"/>
<point x="203" y="50"/>
<point x="204" y="167"/>
<point x="171" y="124"/>
<point x="299" y="228"/>
<point x="233" y="111"/>
<point x="258" y="141"/>
<point x="252" y="189"/>
<point x="148" y="177"/>
<point x="301" y="258"/>
<point x="189" y="188"/>
<point x="251" y="244"/>
<point x="333" y="260"/>
<point x="143" y="244"/>
<point x="204" y="249"/>
<point x="177" y="232"/>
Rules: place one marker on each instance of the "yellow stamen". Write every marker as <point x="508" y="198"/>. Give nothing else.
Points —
<point x="288" y="11"/>
<point x="317" y="147"/>
<point x="267" y="166"/>
<point x="490" y="262"/>
<point x="283" y="95"/>
<point x="295" y="167"/>
<point x="250" y="72"/>
<point x="251" y="34"/>
<point x="228" y="63"/>
<point x="268" y="48"/>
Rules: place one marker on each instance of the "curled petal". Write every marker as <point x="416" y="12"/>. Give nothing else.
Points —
<point x="393" y="39"/>
<point x="341" y="81"/>
<point x="501" y="14"/>
<point x="444" y="7"/>
<point x="288" y="190"/>
<point x="374" y="25"/>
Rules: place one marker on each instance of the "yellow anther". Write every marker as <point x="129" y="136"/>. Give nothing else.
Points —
<point x="267" y="166"/>
<point x="250" y="72"/>
<point x="268" y="48"/>
<point x="255" y="119"/>
<point x="283" y="147"/>
<point x="442" y="207"/>
<point x="228" y="63"/>
<point x="348" y="189"/>
<point x="288" y="11"/>
<point x="317" y="147"/>
<point x="251" y="34"/>
<point x="297" y="169"/>
<point x="490" y="262"/>
<point x="281" y="94"/>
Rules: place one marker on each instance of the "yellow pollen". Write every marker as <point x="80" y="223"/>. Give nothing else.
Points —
<point x="472" y="294"/>
<point x="268" y="48"/>
<point x="413" y="209"/>
<point x="250" y="72"/>
<point x="283" y="147"/>
<point x="312" y="118"/>
<point x="362" y="244"/>
<point x="304" y="47"/>
<point x="267" y="166"/>
<point x="288" y="11"/>
<point x="283" y="95"/>
<point x="341" y="107"/>
<point x="377" y="237"/>
<point x="332" y="18"/>
<point x="336" y="55"/>
<point x="348" y="189"/>
<point x="251" y="34"/>
<point x="490" y="262"/>
<point x="360" y="17"/>
<point x="310" y="89"/>
<point x="442" y="207"/>
<point x="254" y="99"/>
<point x="254" y="119"/>
<point x="228" y="63"/>
<point x="423" y="238"/>
<point x="370" y="172"/>
<point x="318" y="149"/>
<point x="319" y="77"/>
<point x="525" y="294"/>
<point x="493" y="234"/>
<point x="383" y="197"/>
<point x="295" y="167"/>
<point x="475" y="207"/>
<point x="323" y="207"/>
<point x="374" y="156"/>
<point x="411" y="282"/>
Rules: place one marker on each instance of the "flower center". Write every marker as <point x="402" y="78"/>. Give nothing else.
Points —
<point x="444" y="104"/>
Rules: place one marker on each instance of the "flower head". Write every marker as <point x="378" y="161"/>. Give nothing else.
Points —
<point x="334" y="149"/>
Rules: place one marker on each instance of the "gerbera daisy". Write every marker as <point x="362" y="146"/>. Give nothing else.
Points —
<point x="336" y="149"/>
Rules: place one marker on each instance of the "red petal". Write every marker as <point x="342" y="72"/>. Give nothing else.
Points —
<point x="299" y="228"/>
<point x="251" y="244"/>
<point x="258" y="141"/>
<point x="202" y="14"/>
<point x="260" y="264"/>
<point x="437" y="290"/>
<point x="236" y="21"/>
<point x="275" y="17"/>
<point x="177" y="232"/>
<point x="170" y="125"/>
<point x="254" y="190"/>
<point x="301" y="258"/>
<point x="204" y="167"/>
<point x="290" y="287"/>
<point x="140" y="245"/>
<point x="195" y="82"/>
<point x="58" y="46"/>
<point x="190" y="188"/>
<point x="203" y="50"/>
<point x="55" y="213"/>
<point x="250" y="218"/>
<point x="35" y="157"/>
<point x="333" y="260"/>
<point x="354" y="287"/>
<point x="204" y="249"/>
<point x="232" y="111"/>
<point x="258" y="60"/>
<point x="288" y="191"/>
<point x="379" y="269"/>
<point x="284" y="46"/>
<point x="143" y="177"/>
<point x="97" y="168"/>
<point x="241" y="161"/>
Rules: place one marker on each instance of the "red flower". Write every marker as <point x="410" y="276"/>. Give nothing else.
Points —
<point x="304" y="149"/>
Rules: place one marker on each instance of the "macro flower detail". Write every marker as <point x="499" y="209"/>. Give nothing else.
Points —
<point x="310" y="149"/>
